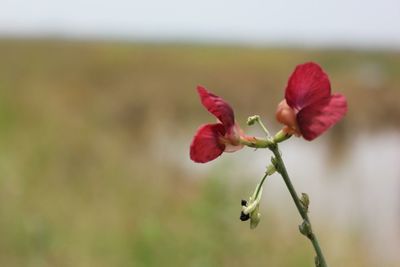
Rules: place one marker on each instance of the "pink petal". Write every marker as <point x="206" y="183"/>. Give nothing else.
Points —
<point x="287" y="116"/>
<point x="316" y="118"/>
<point x="232" y="148"/>
<point x="308" y="84"/>
<point x="206" y="144"/>
<point x="217" y="106"/>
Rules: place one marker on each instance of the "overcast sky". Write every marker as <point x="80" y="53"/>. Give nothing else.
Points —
<point x="304" y="22"/>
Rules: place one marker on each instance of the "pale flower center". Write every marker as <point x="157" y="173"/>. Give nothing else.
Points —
<point x="287" y="116"/>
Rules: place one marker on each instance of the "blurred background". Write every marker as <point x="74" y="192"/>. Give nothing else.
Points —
<point x="98" y="108"/>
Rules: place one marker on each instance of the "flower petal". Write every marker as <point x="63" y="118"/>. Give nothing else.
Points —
<point x="316" y="118"/>
<point x="217" y="106"/>
<point x="287" y="116"/>
<point x="206" y="144"/>
<point x="308" y="84"/>
<point x="232" y="148"/>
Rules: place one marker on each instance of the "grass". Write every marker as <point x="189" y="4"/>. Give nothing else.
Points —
<point x="82" y="182"/>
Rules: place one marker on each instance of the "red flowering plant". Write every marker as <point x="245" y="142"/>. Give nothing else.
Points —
<point x="211" y="140"/>
<point x="308" y="110"/>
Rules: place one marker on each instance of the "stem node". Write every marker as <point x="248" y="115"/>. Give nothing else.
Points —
<point x="301" y="205"/>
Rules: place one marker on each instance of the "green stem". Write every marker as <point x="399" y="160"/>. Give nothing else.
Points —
<point x="256" y="118"/>
<point x="260" y="185"/>
<point x="268" y="172"/>
<point x="256" y="142"/>
<point x="320" y="261"/>
<point x="263" y="127"/>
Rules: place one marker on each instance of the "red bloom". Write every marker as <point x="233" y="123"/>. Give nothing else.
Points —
<point x="211" y="140"/>
<point x="309" y="109"/>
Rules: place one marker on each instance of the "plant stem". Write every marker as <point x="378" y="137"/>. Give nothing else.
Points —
<point x="263" y="127"/>
<point x="256" y="142"/>
<point x="320" y="260"/>
<point x="260" y="185"/>
<point x="268" y="172"/>
<point x="272" y="144"/>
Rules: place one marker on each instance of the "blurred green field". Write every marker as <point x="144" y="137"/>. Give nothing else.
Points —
<point x="85" y="179"/>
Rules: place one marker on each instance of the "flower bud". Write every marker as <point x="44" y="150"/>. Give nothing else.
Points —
<point x="305" y="201"/>
<point x="255" y="218"/>
<point x="252" y="119"/>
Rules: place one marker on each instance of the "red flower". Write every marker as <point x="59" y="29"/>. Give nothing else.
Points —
<point x="211" y="140"/>
<point x="309" y="109"/>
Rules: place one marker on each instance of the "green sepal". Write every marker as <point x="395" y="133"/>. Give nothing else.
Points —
<point x="305" y="201"/>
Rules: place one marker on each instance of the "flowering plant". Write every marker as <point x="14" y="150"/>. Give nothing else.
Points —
<point x="307" y="110"/>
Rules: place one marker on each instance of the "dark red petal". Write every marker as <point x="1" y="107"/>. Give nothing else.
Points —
<point x="206" y="144"/>
<point x="308" y="84"/>
<point x="217" y="106"/>
<point x="319" y="117"/>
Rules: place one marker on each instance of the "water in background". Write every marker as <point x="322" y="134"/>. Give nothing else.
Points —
<point x="94" y="166"/>
<point x="354" y="188"/>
